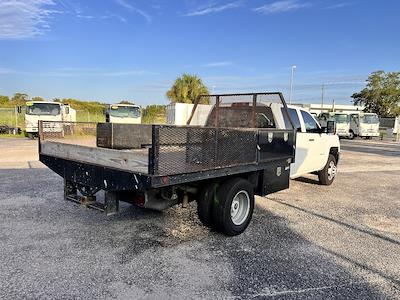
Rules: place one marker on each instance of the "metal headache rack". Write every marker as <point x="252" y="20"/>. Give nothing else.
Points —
<point x="248" y="104"/>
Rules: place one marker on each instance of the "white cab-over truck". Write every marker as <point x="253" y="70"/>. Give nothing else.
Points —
<point x="251" y="144"/>
<point x="342" y="120"/>
<point x="364" y="125"/>
<point x="47" y="111"/>
<point x="123" y="114"/>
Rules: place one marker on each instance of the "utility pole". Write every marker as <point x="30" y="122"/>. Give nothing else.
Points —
<point x="322" y="97"/>
<point x="333" y="105"/>
<point x="291" y="84"/>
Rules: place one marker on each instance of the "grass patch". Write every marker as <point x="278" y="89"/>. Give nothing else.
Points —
<point x="12" y="135"/>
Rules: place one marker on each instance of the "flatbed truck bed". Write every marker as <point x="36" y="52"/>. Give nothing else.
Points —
<point x="166" y="165"/>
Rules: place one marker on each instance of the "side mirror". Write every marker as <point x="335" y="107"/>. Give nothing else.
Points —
<point x="331" y="127"/>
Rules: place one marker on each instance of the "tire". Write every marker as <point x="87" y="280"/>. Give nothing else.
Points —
<point x="233" y="206"/>
<point x="328" y="173"/>
<point x="205" y="203"/>
<point x="351" y="135"/>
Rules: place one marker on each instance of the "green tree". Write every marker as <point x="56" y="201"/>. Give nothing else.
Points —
<point x="19" y="99"/>
<point x="186" y="89"/>
<point x="381" y="95"/>
<point x="126" y="102"/>
<point x="37" y="99"/>
<point x="4" y="100"/>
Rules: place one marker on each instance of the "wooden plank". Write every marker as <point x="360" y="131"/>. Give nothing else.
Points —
<point x="132" y="160"/>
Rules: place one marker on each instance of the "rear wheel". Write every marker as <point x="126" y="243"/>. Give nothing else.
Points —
<point x="233" y="206"/>
<point x="351" y="135"/>
<point x="328" y="173"/>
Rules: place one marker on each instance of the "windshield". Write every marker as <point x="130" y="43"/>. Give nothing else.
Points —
<point x="40" y="109"/>
<point x="341" y="118"/>
<point x="125" y="111"/>
<point x="370" y="119"/>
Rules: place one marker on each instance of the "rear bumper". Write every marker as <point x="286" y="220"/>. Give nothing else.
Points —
<point x="343" y="134"/>
<point x="372" y="134"/>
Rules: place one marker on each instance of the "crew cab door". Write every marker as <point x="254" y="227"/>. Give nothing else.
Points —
<point x="310" y="145"/>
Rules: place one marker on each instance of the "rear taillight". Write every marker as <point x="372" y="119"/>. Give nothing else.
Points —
<point x="140" y="199"/>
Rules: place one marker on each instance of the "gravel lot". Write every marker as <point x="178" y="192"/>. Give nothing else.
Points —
<point x="308" y="242"/>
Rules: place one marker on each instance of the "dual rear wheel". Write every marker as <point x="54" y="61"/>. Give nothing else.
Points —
<point x="227" y="207"/>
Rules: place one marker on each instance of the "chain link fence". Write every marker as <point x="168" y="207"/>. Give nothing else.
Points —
<point x="389" y="128"/>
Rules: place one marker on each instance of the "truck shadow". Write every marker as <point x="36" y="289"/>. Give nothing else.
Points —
<point x="308" y="180"/>
<point x="271" y="260"/>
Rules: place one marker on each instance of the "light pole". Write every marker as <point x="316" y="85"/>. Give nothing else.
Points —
<point x="291" y="84"/>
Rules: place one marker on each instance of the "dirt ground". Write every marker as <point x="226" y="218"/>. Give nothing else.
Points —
<point x="307" y="242"/>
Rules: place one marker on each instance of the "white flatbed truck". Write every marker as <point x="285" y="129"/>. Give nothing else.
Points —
<point x="246" y="148"/>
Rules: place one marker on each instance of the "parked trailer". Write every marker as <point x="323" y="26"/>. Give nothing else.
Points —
<point x="246" y="148"/>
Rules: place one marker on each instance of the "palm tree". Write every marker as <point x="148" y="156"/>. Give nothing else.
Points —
<point x="186" y="89"/>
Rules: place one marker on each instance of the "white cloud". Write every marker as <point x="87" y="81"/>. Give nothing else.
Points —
<point x="129" y="6"/>
<point x="5" y="71"/>
<point x="110" y="16"/>
<point x="338" y="5"/>
<point x="281" y="6"/>
<point x="213" y="9"/>
<point x="218" y="64"/>
<point x="25" y="18"/>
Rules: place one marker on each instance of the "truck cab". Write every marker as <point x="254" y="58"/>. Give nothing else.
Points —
<point x="342" y="124"/>
<point x="364" y="125"/>
<point x="123" y="114"/>
<point x="317" y="151"/>
<point x="46" y="111"/>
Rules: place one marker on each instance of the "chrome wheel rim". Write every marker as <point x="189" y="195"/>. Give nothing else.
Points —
<point x="332" y="170"/>
<point x="240" y="208"/>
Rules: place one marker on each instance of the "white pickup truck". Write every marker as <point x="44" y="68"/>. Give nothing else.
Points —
<point x="317" y="148"/>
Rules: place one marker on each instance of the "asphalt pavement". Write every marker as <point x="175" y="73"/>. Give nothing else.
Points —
<point x="307" y="242"/>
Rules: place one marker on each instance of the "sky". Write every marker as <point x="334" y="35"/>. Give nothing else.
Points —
<point x="113" y="50"/>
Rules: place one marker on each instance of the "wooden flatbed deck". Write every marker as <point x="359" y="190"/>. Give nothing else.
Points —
<point x="135" y="160"/>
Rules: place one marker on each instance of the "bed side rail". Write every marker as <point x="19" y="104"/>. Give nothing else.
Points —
<point x="186" y="149"/>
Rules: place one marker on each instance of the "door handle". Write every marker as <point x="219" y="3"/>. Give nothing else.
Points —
<point x="311" y="140"/>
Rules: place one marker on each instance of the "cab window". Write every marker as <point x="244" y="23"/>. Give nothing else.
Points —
<point x="295" y="119"/>
<point x="309" y="122"/>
